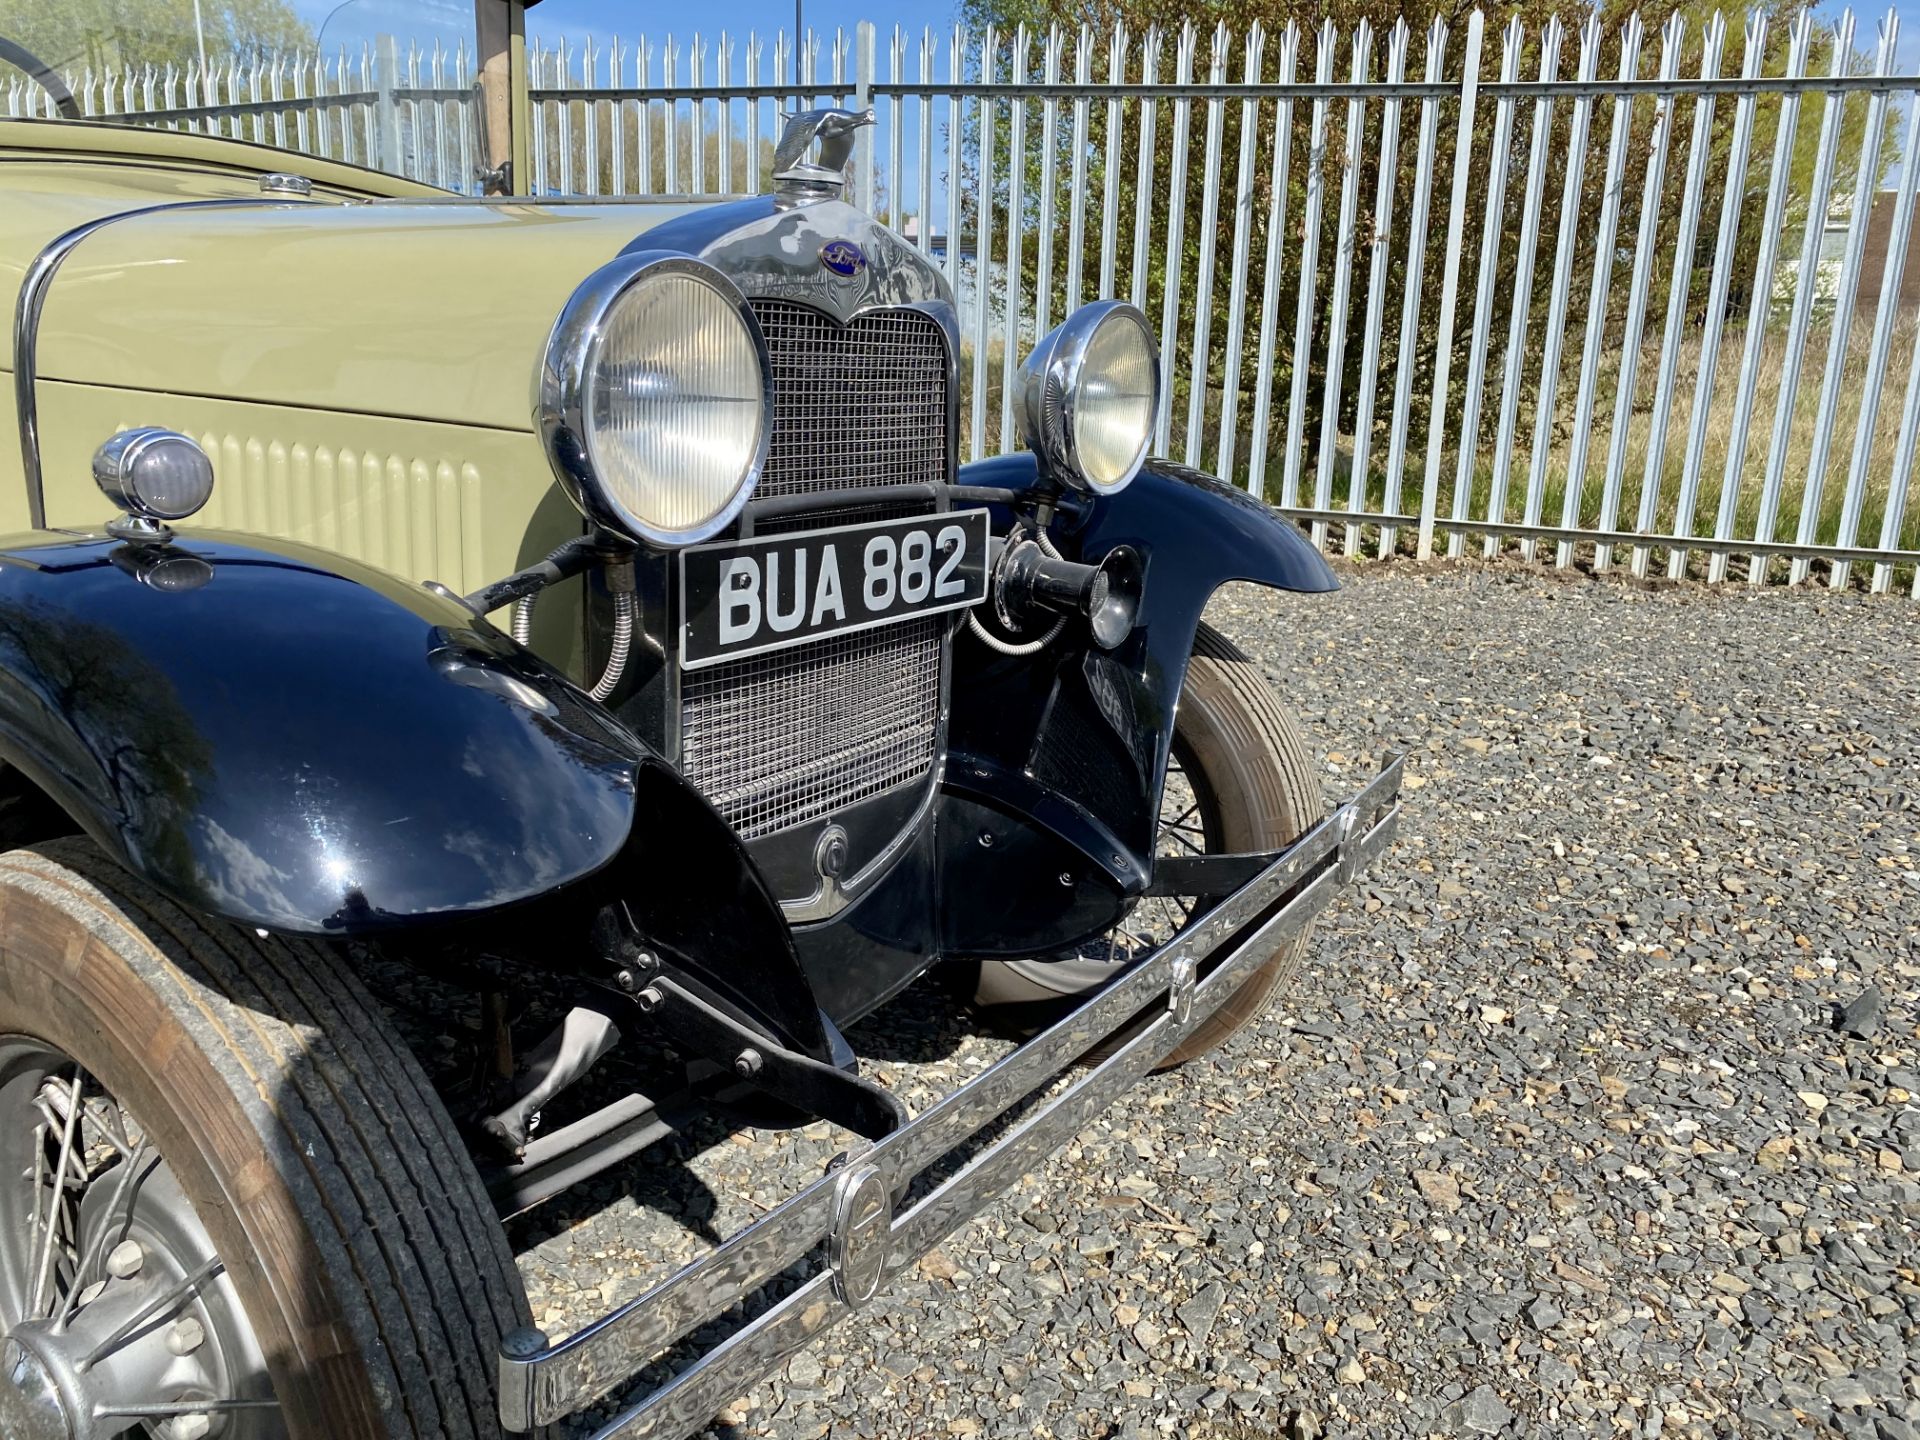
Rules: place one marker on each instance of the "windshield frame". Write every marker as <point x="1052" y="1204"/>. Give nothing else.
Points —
<point x="389" y="108"/>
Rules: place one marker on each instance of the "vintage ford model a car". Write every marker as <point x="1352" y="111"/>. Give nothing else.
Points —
<point x="579" y="606"/>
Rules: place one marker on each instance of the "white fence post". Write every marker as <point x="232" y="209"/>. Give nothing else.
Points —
<point x="1677" y="292"/>
<point x="1663" y="108"/>
<point x="1840" y="327"/>
<point x="1450" y="281"/>
<point x="1305" y="310"/>
<point x="1491" y="229"/>
<point x="387" y="154"/>
<point x="863" y="193"/>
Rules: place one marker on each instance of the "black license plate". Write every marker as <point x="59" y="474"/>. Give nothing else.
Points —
<point x="749" y="596"/>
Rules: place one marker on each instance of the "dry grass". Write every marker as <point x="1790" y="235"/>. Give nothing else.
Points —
<point x="1717" y="443"/>
<point x="1796" y="455"/>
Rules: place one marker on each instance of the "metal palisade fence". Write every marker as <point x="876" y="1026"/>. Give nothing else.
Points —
<point x="1597" y="295"/>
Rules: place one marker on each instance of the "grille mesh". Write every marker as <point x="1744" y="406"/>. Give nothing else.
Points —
<point x="776" y="740"/>
<point x="863" y="404"/>
<point x="779" y="740"/>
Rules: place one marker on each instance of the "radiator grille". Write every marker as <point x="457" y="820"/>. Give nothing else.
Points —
<point x="780" y="740"/>
<point x="776" y="740"/>
<point x="861" y="404"/>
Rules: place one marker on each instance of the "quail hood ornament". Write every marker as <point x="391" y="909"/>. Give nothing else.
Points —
<point x="826" y="174"/>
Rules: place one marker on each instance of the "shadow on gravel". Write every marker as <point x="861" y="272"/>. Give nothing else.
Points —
<point x="920" y="1025"/>
<point x="656" y="1179"/>
<point x="440" y="1022"/>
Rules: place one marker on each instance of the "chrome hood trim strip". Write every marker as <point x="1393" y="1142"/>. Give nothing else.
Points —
<point x="26" y="327"/>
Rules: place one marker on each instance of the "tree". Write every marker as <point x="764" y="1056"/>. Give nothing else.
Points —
<point x="1693" y="270"/>
<point x="76" y="35"/>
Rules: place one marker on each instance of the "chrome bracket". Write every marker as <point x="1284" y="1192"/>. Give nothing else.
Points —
<point x="700" y="1029"/>
<point x="1350" y="857"/>
<point x="861" y="1242"/>
<point x="139" y="530"/>
<point x="1186" y="977"/>
<point x="495" y="179"/>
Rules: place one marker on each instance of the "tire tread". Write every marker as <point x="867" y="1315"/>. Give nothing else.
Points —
<point x="393" y="1203"/>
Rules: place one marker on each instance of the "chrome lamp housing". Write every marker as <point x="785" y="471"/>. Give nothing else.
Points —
<point x="654" y="398"/>
<point x="1089" y="395"/>
<point x="152" y="475"/>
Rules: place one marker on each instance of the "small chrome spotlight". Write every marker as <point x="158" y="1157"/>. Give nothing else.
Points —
<point x="154" y="475"/>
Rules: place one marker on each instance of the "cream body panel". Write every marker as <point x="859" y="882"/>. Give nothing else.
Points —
<point x="40" y="201"/>
<point x="360" y="364"/>
<point x="55" y="175"/>
<point x="437" y="310"/>
<point x="455" y="503"/>
<point x="14" y="514"/>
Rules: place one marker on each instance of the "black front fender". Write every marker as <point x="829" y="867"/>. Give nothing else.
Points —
<point x="1058" y="758"/>
<point x="290" y="740"/>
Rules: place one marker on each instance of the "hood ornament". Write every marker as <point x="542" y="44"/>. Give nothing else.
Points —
<point x="823" y="177"/>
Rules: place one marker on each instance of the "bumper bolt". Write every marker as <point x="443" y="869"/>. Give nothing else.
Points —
<point x="645" y="962"/>
<point x="125" y="1259"/>
<point x="523" y="1344"/>
<point x="185" y="1337"/>
<point x="649" y="1000"/>
<point x="747" y="1064"/>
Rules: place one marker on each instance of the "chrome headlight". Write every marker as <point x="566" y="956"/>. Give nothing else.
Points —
<point x="1090" y="392"/>
<point x="655" y="398"/>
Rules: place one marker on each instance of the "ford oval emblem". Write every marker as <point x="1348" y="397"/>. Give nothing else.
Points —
<point x="843" y="257"/>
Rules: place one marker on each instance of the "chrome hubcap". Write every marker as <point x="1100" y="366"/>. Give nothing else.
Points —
<point x="118" y="1313"/>
<point x="31" y="1407"/>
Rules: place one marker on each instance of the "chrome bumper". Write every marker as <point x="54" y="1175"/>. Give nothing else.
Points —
<point x="851" y="1212"/>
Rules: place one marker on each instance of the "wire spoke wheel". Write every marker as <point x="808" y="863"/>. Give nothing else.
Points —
<point x="1188" y="817"/>
<point x="231" y="1205"/>
<point x="119" y="1314"/>
<point x="1239" y="780"/>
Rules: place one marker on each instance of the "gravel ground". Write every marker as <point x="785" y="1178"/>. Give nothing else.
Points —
<point x="1560" y="1130"/>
